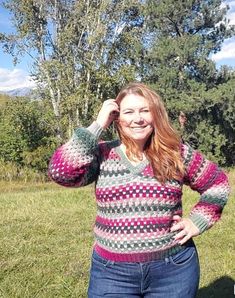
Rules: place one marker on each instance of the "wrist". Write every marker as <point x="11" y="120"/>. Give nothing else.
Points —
<point x="101" y="123"/>
<point x="95" y="128"/>
<point x="200" y="222"/>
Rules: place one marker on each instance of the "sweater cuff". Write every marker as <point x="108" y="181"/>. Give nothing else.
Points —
<point x="200" y="222"/>
<point x="95" y="129"/>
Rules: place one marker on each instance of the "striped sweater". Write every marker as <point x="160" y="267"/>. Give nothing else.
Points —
<point x="134" y="210"/>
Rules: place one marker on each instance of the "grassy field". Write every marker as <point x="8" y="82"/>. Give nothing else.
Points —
<point x="46" y="241"/>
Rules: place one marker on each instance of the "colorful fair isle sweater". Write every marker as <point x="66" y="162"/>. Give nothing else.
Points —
<point x="134" y="210"/>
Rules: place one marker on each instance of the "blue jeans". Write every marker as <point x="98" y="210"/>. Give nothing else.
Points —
<point x="174" y="277"/>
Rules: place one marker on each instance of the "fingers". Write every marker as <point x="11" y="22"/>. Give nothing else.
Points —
<point x="179" y="225"/>
<point x="108" y="113"/>
<point x="111" y="103"/>
<point x="176" y="224"/>
<point x="183" y="236"/>
<point x="177" y="218"/>
<point x="184" y="240"/>
<point x="186" y="227"/>
<point x="111" y="107"/>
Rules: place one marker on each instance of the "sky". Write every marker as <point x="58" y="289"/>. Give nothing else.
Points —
<point x="17" y="76"/>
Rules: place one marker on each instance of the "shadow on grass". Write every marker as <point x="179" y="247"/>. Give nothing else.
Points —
<point x="222" y="287"/>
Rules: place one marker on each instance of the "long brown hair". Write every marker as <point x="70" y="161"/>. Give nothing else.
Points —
<point x="162" y="148"/>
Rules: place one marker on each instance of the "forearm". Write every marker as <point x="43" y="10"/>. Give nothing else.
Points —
<point x="209" y="209"/>
<point x="211" y="182"/>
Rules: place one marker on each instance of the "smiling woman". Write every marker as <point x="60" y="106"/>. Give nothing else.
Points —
<point x="143" y="126"/>
<point x="143" y="246"/>
<point x="135" y="119"/>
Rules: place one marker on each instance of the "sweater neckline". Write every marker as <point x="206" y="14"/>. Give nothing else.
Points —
<point x="136" y="168"/>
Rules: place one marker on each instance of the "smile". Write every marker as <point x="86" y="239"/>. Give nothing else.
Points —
<point x="138" y="128"/>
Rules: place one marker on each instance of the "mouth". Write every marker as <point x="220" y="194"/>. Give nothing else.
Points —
<point x="139" y="128"/>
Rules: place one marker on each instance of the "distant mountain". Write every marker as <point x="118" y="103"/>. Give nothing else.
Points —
<point x="19" y="92"/>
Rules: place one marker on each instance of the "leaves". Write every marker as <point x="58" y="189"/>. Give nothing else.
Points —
<point x="85" y="51"/>
<point x="26" y="135"/>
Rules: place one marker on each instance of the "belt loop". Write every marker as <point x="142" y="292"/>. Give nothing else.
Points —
<point x="109" y="262"/>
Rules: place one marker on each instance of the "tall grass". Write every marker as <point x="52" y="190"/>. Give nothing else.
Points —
<point x="46" y="240"/>
<point x="11" y="172"/>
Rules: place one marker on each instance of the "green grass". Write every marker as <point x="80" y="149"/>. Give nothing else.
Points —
<point x="46" y="240"/>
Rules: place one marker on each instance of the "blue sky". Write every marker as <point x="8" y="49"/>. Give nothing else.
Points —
<point x="12" y="77"/>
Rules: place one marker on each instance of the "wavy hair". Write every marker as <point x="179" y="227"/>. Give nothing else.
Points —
<point x="162" y="148"/>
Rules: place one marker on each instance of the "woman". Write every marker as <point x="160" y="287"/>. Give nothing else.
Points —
<point x="143" y="246"/>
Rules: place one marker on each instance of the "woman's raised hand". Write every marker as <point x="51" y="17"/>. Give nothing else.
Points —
<point x="108" y="112"/>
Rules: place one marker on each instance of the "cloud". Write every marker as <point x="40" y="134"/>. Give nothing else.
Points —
<point x="228" y="48"/>
<point x="231" y="3"/>
<point x="15" y="78"/>
<point x="231" y="17"/>
<point x="227" y="51"/>
<point x="231" y="12"/>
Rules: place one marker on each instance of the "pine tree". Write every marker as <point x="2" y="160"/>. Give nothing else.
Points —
<point x="178" y="65"/>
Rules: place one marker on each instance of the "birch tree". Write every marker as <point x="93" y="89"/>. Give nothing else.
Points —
<point x="81" y="51"/>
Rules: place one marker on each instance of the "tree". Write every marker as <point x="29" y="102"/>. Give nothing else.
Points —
<point x="80" y="50"/>
<point x="26" y="135"/>
<point x="177" y="63"/>
<point x="84" y="51"/>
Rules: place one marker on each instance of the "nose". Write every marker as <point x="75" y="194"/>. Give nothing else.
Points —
<point x="138" y="118"/>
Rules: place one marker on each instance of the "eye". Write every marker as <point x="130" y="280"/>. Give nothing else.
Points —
<point x="145" y="111"/>
<point x="127" y="112"/>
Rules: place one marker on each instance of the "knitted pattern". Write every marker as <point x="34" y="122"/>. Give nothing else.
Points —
<point x="134" y="210"/>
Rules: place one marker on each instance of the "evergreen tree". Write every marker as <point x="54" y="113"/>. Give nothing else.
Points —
<point x="177" y="63"/>
<point x="84" y="51"/>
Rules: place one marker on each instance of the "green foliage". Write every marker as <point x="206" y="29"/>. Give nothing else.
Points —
<point x="210" y="125"/>
<point x="26" y="135"/>
<point x="85" y="51"/>
<point x="179" y="67"/>
<point x="10" y="171"/>
<point x="211" y="140"/>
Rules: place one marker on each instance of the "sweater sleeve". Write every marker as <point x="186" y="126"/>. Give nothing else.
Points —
<point x="211" y="182"/>
<point x="76" y="163"/>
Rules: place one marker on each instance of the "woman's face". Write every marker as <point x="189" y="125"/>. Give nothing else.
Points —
<point x="135" y="118"/>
